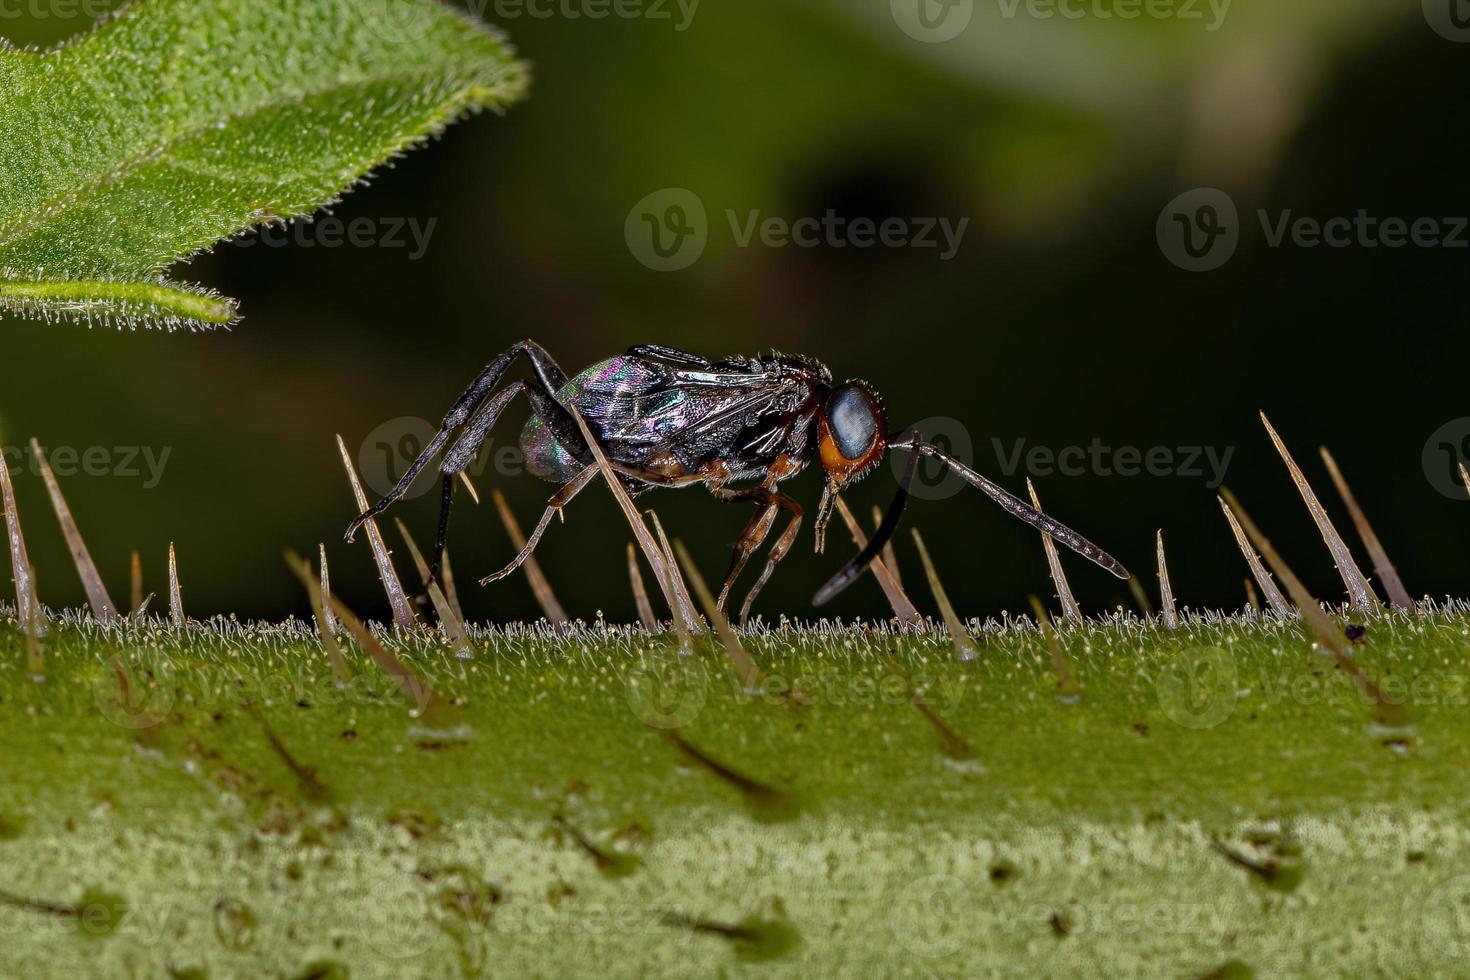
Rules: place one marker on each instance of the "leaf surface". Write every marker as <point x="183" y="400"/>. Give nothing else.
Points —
<point x="183" y="122"/>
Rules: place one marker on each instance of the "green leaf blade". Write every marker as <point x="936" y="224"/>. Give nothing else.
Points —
<point x="184" y="122"/>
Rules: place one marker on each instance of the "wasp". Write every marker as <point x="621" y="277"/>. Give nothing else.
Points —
<point x="668" y="418"/>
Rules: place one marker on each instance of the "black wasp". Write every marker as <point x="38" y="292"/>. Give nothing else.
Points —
<point x="668" y="418"/>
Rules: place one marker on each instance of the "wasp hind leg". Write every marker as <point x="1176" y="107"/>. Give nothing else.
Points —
<point x="473" y="415"/>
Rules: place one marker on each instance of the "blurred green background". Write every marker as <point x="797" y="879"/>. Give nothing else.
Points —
<point x="1060" y="320"/>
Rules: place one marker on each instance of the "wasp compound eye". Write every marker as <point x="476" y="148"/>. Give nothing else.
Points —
<point x="853" y="421"/>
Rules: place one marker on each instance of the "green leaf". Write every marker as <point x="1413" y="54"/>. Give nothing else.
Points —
<point x="184" y="122"/>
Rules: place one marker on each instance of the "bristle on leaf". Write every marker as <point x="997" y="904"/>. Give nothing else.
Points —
<point x="1360" y="593"/>
<point x="1054" y="562"/>
<point x="175" y="594"/>
<point x="662" y="573"/>
<point x="1327" y="632"/>
<point x="103" y="609"/>
<point x="20" y="562"/>
<point x="640" y="592"/>
<point x="1273" y="595"/>
<point x="540" y="585"/>
<point x="1067" y="685"/>
<point x="1387" y="574"/>
<point x="403" y="615"/>
<point x="745" y="668"/>
<point x="1166" y="591"/>
<point x="958" y="634"/>
<point x="453" y="628"/>
<point x="882" y="570"/>
<point x="427" y="706"/>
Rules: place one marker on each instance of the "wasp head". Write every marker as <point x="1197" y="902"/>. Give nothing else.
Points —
<point x="852" y="435"/>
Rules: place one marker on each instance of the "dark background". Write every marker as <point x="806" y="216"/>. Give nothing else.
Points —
<point x="1060" y="320"/>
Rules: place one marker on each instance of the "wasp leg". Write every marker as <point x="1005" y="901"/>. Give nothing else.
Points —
<point x="475" y="413"/>
<point x="549" y="378"/>
<point x="553" y="507"/>
<point x="771" y="503"/>
<point x="778" y="551"/>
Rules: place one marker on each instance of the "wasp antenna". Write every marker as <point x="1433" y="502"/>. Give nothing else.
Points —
<point x="1015" y="506"/>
